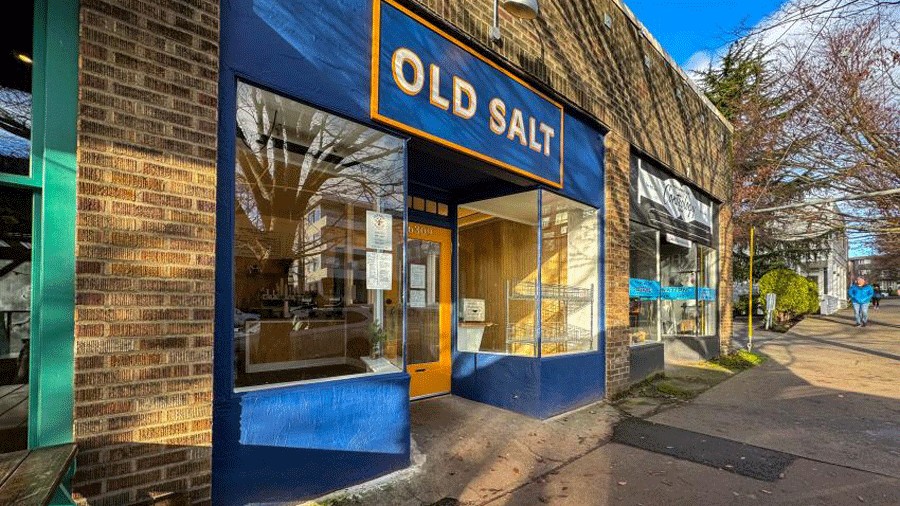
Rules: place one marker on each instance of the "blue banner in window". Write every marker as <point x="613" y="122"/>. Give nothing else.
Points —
<point x="678" y="293"/>
<point x="643" y="288"/>
<point x="428" y="83"/>
<point x="704" y="293"/>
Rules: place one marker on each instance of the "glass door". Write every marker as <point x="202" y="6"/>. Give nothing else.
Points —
<point x="428" y="310"/>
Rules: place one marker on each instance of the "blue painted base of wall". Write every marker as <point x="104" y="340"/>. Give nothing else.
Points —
<point x="293" y="443"/>
<point x="539" y="388"/>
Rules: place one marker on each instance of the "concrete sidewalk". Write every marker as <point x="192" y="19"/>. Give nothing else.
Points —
<point x="827" y="401"/>
<point x="830" y="392"/>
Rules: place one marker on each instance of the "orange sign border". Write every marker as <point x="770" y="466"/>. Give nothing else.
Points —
<point x="373" y="106"/>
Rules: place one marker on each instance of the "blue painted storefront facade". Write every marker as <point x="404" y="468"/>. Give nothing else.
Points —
<point x="293" y="441"/>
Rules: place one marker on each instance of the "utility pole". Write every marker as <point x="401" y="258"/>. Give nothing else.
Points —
<point x="750" y="299"/>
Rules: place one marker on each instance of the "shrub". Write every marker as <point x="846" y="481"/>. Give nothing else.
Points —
<point x="741" y="306"/>
<point x="791" y="290"/>
<point x="812" y="297"/>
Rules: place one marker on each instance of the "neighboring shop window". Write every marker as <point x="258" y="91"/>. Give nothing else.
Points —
<point x="672" y="290"/>
<point x="678" y="277"/>
<point x="569" y="254"/>
<point x="15" y="314"/>
<point x="498" y="272"/>
<point x="497" y="254"/>
<point x="707" y="281"/>
<point x="16" y="222"/>
<point x="15" y="93"/>
<point x="681" y="299"/>
<point x="643" y="284"/>
<point x="318" y="244"/>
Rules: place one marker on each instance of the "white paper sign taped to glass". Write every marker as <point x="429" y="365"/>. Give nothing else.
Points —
<point x="417" y="298"/>
<point x="379" y="271"/>
<point x="379" y="230"/>
<point x="417" y="276"/>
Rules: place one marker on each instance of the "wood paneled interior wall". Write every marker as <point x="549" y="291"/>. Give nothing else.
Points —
<point x="490" y="253"/>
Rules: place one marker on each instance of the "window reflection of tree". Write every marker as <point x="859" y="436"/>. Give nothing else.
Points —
<point x="290" y="159"/>
<point x="15" y="130"/>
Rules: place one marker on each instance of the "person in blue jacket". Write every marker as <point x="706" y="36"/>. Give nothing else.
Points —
<point x="861" y="295"/>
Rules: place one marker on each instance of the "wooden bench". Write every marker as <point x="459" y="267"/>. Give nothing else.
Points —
<point x="31" y="477"/>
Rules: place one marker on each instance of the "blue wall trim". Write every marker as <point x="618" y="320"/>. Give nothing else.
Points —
<point x="293" y="442"/>
<point x="536" y="114"/>
<point x="539" y="388"/>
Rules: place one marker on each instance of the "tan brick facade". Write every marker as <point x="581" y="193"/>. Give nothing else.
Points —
<point x="145" y="249"/>
<point x="617" y="229"/>
<point x="146" y="208"/>
<point x="618" y="74"/>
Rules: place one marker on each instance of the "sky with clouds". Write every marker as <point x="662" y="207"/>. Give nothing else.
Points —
<point x="693" y="32"/>
<point x="696" y="33"/>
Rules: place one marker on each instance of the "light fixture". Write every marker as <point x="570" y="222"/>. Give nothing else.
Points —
<point x="24" y="58"/>
<point x="523" y="9"/>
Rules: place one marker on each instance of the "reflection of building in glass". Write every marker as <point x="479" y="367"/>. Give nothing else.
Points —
<point x="304" y="181"/>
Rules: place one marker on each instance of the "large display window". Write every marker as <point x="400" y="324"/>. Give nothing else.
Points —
<point x="569" y="251"/>
<point x="505" y="297"/>
<point x="643" y="284"/>
<point x="678" y="290"/>
<point x="318" y="244"/>
<point x="707" y="281"/>
<point x="672" y="286"/>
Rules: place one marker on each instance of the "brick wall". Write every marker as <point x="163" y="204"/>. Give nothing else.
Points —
<point x="145" y="246"/>
<point x="618" y="168"/>
<point x="618" y="74"/>
<point x="146" y="219"/>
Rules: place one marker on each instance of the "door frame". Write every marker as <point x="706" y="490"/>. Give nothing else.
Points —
<point x="438" y="380"/>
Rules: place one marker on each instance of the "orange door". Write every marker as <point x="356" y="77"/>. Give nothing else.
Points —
<point x="428" y="310"/>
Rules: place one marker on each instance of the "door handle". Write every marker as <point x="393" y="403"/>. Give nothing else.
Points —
<point x="421" y="370"/>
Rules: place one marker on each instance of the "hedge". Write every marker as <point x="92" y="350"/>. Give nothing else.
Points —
<point x="794" y="295"/>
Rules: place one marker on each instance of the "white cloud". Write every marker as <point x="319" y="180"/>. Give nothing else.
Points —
<point x="786" y="28"/>
<point x="698" y="62"/>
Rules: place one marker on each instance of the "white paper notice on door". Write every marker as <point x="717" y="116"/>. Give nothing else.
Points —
<point x="379" y="274"/>
<point x="379" y="227"/>
<point x="417" y="276"/>
<point x="417" y="298"/>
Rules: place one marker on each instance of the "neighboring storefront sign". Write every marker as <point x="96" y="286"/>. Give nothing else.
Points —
<point x="643" y="288"/>
<point x="687" y="293"/>
<point x="663" y="202"/>
<point x="704" y="293"/>
<point x="678" y="293"/>
<point x="428" y="83"/>
<point x="674" y="239"/>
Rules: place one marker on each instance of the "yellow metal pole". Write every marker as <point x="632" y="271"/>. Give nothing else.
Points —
<point x="750" y="298"/>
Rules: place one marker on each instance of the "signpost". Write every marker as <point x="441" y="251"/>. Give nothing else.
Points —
<point x="770" y="309"/>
